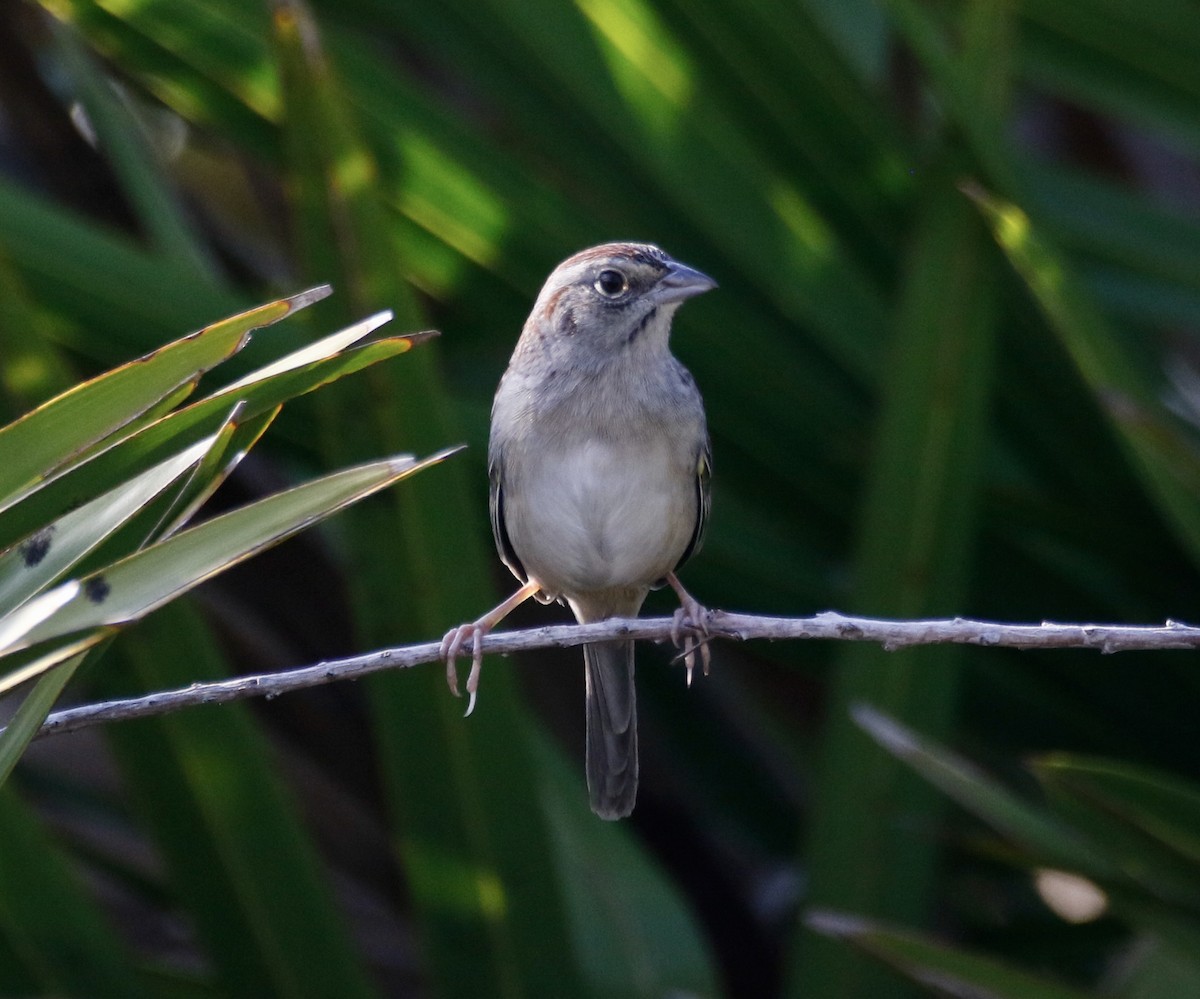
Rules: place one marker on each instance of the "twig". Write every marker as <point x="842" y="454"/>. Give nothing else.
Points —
<point x="891" y="635"/>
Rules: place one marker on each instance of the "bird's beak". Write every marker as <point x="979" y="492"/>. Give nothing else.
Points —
<point x="681" y="282"/>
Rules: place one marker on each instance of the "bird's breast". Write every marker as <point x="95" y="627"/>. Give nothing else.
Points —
<point x="598" y="514"/>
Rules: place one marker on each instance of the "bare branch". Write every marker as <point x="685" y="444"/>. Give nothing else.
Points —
<point x="891" y="635"/>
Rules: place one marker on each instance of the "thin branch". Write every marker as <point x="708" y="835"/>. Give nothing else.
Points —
<point x="891" y="635"/>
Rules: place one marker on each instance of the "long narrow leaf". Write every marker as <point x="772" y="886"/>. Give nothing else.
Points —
<point x="241" y="862"/>
<point x="102" y="279"/>
<point x="1122" y="380"/>
<point x="456" y="825"/>
<point x="32" y="367"/>
<point x="915" y="552"/>
<point x="634" y="937"/>
<point x="23" y="726"/>
<point x="147" y="579"/>
<point x="257" y="395"/>
<point x="1148" y="821"/>
<point x="946" y="970"/>
<point x="980" y="794"/>
<point x="157" y="206"/>
<point x="51" y="920"/>
<point x="18" y="623"/>
<point x="38" y="561"/>
<point x="46" y="438"/>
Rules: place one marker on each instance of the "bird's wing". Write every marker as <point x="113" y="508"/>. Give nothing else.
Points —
<point x="499" y="531"/>
<point x="703" y="500"/>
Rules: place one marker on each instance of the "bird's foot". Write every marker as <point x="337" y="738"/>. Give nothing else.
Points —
<point x="452" y="644"/>
<point x="474" y="632"/>
<point x="689" y="629"/>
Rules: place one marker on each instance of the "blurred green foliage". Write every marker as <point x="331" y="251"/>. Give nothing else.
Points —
<point x="948" y="371"/>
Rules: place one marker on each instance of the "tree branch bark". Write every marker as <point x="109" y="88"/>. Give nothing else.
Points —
<point x="891" y="635"/>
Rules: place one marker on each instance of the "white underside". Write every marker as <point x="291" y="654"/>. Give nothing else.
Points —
<point x="600" y="515"/>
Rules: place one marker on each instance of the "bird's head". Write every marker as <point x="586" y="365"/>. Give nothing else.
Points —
<point x="614" y="296"/>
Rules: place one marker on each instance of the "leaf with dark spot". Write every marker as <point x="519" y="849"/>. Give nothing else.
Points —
<point x="96" y="589"/>
<point x="34" y="548"/>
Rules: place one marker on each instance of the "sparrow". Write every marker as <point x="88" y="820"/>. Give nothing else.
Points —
<point x="599" y="464"/>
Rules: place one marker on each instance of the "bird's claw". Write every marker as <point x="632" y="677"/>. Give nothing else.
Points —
<point x="689" y="632"/>
<point x="451" y="646"/>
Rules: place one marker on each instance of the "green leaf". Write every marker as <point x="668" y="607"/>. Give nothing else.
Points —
<point x="50" y="436"/>
<point x="1055" y="843"/>
<point x="973" y="74"/>
<point x="472" y="890"/>
<point x="233" y="442"/>
<point x="147" y="579"/>
<point x="328" y="347"/>
<point x="32" y="368"/>
<point x="101" y="279"/>
<point x="632" y="933"/>
<point x="125" y="144"/>
<point x="915" y="550"/>
<point x="1157" y="970"/>
<point x="28" y="568"/>
<point x="1121" y="378"/>
<point x="49" y="918"/>
<point x="208" y="785"/>
<point x="1127" y="232"/>
<point x="1147" y="821"/>
<point x="1132" y="62"/>
<point x="18" y="623"/>
<point x="941" y="968"/>
<point x="1145" y="884"/>
<point x="258" y="394"/>
<point x="35" y="706"/>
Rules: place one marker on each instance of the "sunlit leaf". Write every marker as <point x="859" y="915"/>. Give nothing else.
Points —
<point x="136" y="585"/>
<point x="256" y="396"/>
<point x="47" y="438"/>
<point x="46" y="556"/>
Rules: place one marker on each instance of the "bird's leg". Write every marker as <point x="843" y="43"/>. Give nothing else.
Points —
<point x="691" y="617"/>
<point x="475" y="630"/>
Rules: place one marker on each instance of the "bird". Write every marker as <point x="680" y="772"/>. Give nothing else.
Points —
<point x="599" y="468"/>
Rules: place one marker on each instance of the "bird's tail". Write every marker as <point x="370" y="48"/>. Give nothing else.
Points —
<point x="612" y="750"/>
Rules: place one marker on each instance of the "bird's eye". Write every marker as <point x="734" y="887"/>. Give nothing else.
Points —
<point x="611" y="283"/>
